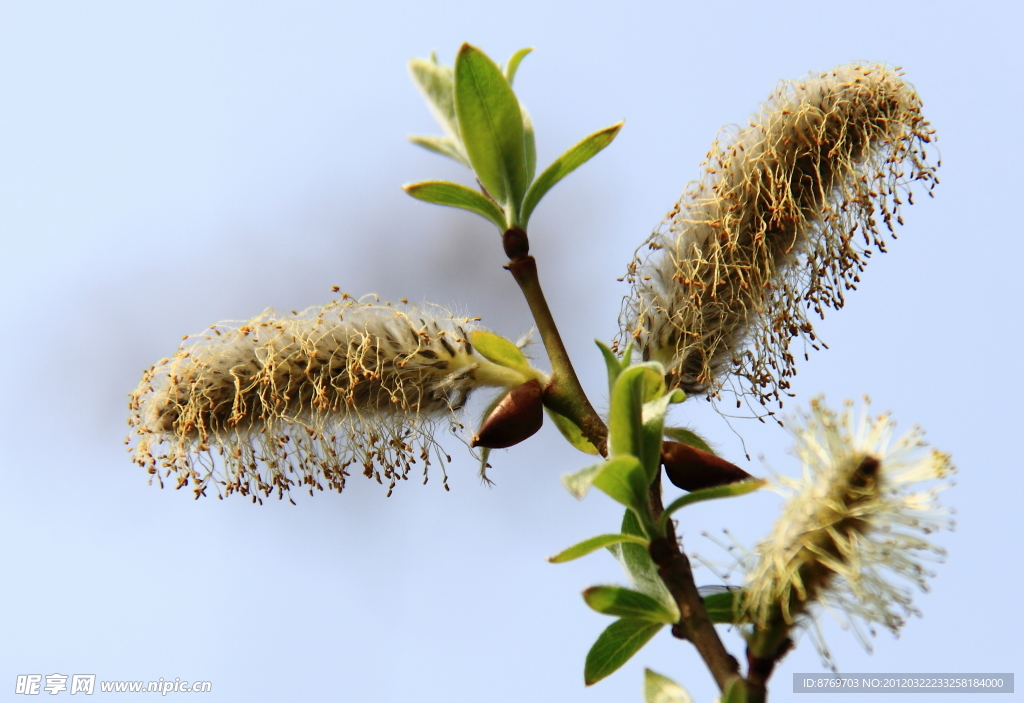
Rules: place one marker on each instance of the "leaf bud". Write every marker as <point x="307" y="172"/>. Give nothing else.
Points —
<point x="516" y="418"/>
<point x="693" y="469"/>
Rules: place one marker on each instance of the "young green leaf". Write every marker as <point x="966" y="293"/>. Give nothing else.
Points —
<point x="615" y="646"/>
<point x="727" y="491"/>
<point x="661" y="689"/>
<point x="625" y="603"/>
<point x="635" y="386"/>
<point x="653" y="416"/>
<point x="565" y="164"/>
<point x="530" y="146"/>
<point x="500" y="351"/>
<point x="735" y="692"/>
<point x="513" y="64"/>
<point x="437" y="84"/>
<point x="572" y="432"/>
<point x="612" y="362"/>
<point x="639" y="567"/>
<point x="593" y="544"/>
<point x="491" y="125"/>
<point x="579" y="482"/>
<point x="722" y="607"/>
<point x="440" y="145"/>
<point x="455" y="195"/>
<point x="624" y="480"/>
<point x="688" y="436"/>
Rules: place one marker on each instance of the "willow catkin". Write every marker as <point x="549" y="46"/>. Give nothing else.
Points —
<point x="854" y="532"/>
<point x="782" y="222"/>
<point x="282" y="400"/>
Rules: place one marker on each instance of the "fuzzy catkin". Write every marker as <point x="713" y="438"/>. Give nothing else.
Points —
<point x="287" y="399"/>
<point x="853" y="534"/>
<point x="782" y="221"/>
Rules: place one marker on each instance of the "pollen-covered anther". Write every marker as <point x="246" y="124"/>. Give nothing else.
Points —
<point x="352" y="382"/>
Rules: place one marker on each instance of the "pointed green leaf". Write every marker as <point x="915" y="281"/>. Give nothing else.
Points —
<point x="571" y="431"/>
<point x="500" y="351"/>
<point x="578" y="483"/>
<point x="688" y="436"/>
<point x="593" y="544"/>
<point x="653" y="415"/>
<point x="566" y="164"/>
<point x="722" y="607"/>
<point x="611" y="361"/>
<point x="626" y="603"/>
<point x="635" y="386"/>
<point x="735" y="692"/>
<point x="727" y="491"/>
<point x="491" y="125"/>
<point x="639" y="567"/>
<point x="624" y="480"/>
<point x="439" y="145"/>
<point x="530" y="146"/>
<point x="661" y="689"/>
<point x="455" y="195"/>
<point x="615" y="646"/>
<point x="437" y="84"/>
<point x="513" y="64"/>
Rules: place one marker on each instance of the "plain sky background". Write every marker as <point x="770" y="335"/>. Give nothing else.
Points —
<point x="164" y="166"/>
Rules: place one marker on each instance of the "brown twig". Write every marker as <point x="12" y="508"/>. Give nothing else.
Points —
<point x="694" y="623"/>
<point x="564" y="394"/>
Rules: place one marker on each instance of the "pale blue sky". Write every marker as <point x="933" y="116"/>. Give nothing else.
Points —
<point x="166" y="166"/>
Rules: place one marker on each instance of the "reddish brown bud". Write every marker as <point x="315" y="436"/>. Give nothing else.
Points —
<point x="518" y="417"/>
<point x="692" y="469"/>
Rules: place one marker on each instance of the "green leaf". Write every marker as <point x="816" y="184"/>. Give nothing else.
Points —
<point x="529" y="145"/>
<point x="611" y="361"/>
<point x="513" y="64"/>
<point x="722" y="607"/>
<point x="455" y="195"/>
<point x="688" y="436"/>
<point x="579" y="482"/>
<point x="500" y="351"/>
<point x="439" y="145"/>
<point x="593" y="544"/>
<point x="437" y="84"/>
<point x="491" y="125"/>
<point x="614" y="647"/>
<point x="625" y="603"/>
<point x="735" y="692"/>
<point x="572" y="432"/>
<point x="566" y="164"/>
<point x="653" y="416"/>
<point x="727" y="491"/>
<point x="639" y="567"/>
<point x="635" y="386"/>
<point x="623" y="479"/>
<point x="661" y="689"/>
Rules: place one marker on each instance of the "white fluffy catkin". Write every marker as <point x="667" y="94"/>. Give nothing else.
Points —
<point x="297" y="399"/>
<point x="854" y="532"/>
<point x="782" y="222"/>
